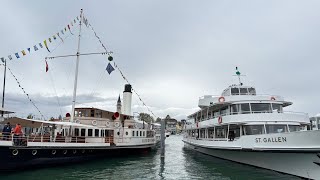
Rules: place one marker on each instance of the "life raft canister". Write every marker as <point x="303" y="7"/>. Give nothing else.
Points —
<point x="221" y="99"/>
<point x="219" y="119"/>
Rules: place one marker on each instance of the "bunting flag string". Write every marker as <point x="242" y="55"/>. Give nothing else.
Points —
<point x="115" y="65"/>
<point x="21" y="53"/>
<point x="25" y="93"/>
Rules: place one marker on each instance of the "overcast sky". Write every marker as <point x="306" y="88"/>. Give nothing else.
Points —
<point x="172" y="52"/>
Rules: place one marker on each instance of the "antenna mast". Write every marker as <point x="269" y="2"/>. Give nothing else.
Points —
<point x="76" y="72"/>
<point x="238" y="74"/>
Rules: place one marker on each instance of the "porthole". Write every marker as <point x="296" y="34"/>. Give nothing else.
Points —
<point x="127" y="133"/>
<point x="118" y="133"/>
<point x="53" y="152"/>
<point x="15" y="152"/>
<point x="74" y="151"/>
<point x="65" y="151"/>
<point x="34" y="152"/>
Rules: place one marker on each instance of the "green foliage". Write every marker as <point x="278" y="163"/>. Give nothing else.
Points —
<point x="146" y="117"/>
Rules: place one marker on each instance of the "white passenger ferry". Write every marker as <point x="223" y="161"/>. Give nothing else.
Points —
<point x="253" y="129"/>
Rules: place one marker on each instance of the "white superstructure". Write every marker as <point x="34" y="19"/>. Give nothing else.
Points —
<point x="243" y="126"/>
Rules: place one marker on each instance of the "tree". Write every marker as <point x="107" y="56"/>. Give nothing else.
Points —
<point x="146" y="117"/>
<point x="158" y="120"/>
<point x="30" y="116"/>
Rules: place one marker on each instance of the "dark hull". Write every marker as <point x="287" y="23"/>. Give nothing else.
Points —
<point x="27" y="158"/>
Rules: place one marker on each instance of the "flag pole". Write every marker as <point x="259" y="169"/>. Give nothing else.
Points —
<point x="4" y="85"/>
<point x="76" y="72"/>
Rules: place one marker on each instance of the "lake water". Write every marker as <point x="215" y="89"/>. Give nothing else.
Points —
<point x="179" y="163"/>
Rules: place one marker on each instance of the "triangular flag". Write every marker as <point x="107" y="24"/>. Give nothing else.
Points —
<point x="23" y="52"/>
<point x="54" y="37"/>
<point x="10" y="57"/>
<point x="49" y="40"/>
<point x="47" y="67"/>
<point x="17" y="55"/>
<point x="65" y="29"/>
<point x="71" y="23"/>
<point x="2" y="59"/>
<point x="59" y="37"/>
<point x="35" y="48"/>
<point x="109" y="68"/>
<point x="74" y="21"/>
<point x="69" y="29"/>
<point x="62" y="32"/>
<point x="40" y="45"/>
<point x="78" y="18"/>
<point x="29" y="50"/>
<point x="45" y="43"/>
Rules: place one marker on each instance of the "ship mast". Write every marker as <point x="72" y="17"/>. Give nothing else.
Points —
<point x="4" y="85"/>
<point x="76" y="71"/>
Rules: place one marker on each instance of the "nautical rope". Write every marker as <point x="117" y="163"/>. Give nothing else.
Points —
<point x="117" y="67"/>
<point x="26" y="93"/>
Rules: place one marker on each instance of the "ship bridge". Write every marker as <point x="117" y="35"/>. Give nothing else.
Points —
<point x="238" y="93"/>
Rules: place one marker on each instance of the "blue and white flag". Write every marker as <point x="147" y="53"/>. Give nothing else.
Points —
<point x="17" y="55"/>
<point x="29" y="49"/>
<point x="40" y="45"/>
<point x="35" y="48"/>
<point x="2" y="59"/>
<point x="109" y="68"/>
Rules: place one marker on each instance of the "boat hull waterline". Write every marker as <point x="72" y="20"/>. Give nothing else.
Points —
<point x="306" y="165"/>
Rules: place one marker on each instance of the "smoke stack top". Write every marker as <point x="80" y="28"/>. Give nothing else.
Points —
<point x="127" y="88"/>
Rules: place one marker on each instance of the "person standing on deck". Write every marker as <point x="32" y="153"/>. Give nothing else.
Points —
<point x="17" y="134"/>
<point x="6" y="131"/>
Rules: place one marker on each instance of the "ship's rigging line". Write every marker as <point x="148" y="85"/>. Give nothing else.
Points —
<point x="117" y="67"/>
<point x="26" y="93"/>
<point x="23" y="89"/>
<point x="109" y="54"/>
<point x="50" y="72"/>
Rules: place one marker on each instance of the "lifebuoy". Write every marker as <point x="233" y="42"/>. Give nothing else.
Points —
<point x="107" y="123"/>
<point x="221" y="99"/>
<point x="219" y="119"/>
<point x="273" y="98"/>
<point x="116" y="124"/>
<point x="15" y="152"/>
<point x="34" y="152"/>
<point x="94" y="122"/>
<point x="53" y="152"/>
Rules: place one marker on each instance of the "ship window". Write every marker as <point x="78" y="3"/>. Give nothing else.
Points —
<point x="276" y="128"/>
<point x="76" y="132"/>
<point x="62" y="132"/>
<point x="132" y="133"/>
<point x="260" y="107"/>
<point x="211" y="132"/>
<point x="252" y="91"/>
<point x="216" y="113"/>
<point x="102" y="133"/>
<point x="254" y="129"/>
<point x="83" y="132"/>
<point x="127" y="133"/>
<point x="224" y="111"/>
<point x="140" y="133"/>
<point x="137" y="133"/>
<point x="144" y="133"/>
<point x="220" y="133"/>
<point x="243" y="91"/>
<point x="245" y="108"/>
<point x="90" y="132"/>
<point x="293" y="128"/>
<point x="277" y="107"/>
<point x="235" y="108"/>
<point x="234" y="91"/>
<point x="96" y="132"/>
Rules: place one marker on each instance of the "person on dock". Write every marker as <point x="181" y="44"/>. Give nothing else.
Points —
<point x="6" y="131"/>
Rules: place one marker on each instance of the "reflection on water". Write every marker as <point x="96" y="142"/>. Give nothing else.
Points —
<point x="179" y="163"/>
